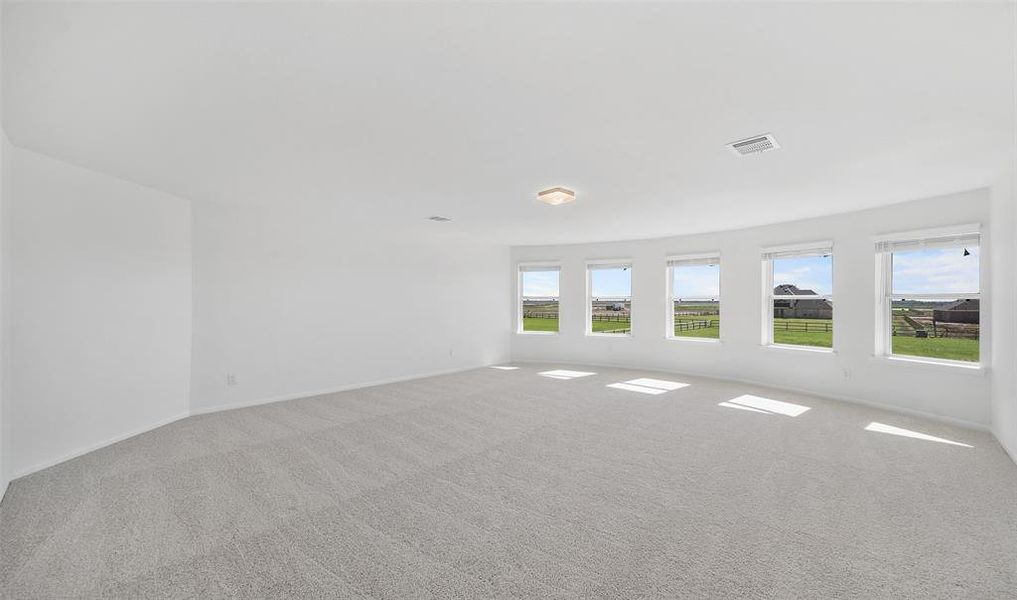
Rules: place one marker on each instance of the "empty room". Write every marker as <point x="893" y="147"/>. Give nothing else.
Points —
<point x="391" y="300"/>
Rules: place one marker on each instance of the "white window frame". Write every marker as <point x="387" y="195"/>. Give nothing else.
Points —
<point x="592" y="265"/>
<point x="768" y="255"/>
<point x="885" y="246"/>
<point x="535" y="267"/>
<point x="673" y="262"/>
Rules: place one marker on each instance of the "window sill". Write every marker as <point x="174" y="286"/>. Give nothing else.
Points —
<point x="608" y="335"/>
<point x="932" y="364"/>
<point x="808" y="349"/>
<point x="537" y="332"/>
<point x="694" y="340"/>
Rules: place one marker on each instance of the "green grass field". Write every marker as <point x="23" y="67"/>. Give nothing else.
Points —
<point x="533" y="324"/>
<point x="703" y="333"/>
<point x="944" y="348"/>
<point x="604" y="326"/>
<point x="819" y="339"/>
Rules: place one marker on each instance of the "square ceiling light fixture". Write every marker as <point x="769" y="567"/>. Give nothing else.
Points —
<point x="556" y="195"/>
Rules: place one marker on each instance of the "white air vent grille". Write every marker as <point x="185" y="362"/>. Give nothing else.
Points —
<point x="439" y="219"/>
<point x="754" y="145"/>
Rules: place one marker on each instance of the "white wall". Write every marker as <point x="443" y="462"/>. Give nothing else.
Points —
<point x="4" y="152"/>
<point x="850" y="373"/>
<point x="293" y="304"/>
<point x="1004" y="383"/>
<point x="108" y="286"/>
<point x="5" y="438"/>
<point x="100" y="310"/>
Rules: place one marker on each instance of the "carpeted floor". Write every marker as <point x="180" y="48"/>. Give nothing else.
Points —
<point x="506" y="483"/>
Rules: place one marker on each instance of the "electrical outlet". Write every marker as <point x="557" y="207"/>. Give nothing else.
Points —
<point x="231" y="379"/>
<point x="847" y="373"/>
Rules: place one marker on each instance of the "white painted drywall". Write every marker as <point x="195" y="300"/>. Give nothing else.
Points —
<point x="4" y="320"/>
<point x="1004" y="351"/>
<point x="294" y="303"/>
<point x="850" y="373"/>
<point x="4" y="439"/>
<point x="100" y="309"/>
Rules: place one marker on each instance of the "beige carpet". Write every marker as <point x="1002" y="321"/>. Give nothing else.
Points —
<point x="507" y="483"/>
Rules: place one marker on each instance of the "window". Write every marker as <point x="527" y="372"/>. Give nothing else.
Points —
<point x="538" y="299"/>
<point x="798" y="288"/>
<point x="609" y="290"/>
<point x="693" y="297"/>
<point x="930" y="296"/>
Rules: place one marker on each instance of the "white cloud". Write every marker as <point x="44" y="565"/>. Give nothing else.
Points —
<point x="540" y="284"/>
<point x="696" y="282"/>
<point x="936" y="272"/>
<point x="807" y="273"/>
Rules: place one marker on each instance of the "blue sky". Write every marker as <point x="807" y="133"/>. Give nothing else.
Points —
<point x="809" y="273"/>
<point x="611" y="282"/>
<point x="606" y="283"/>
<point x="541" y="284"/>
<point x="696" y="281"/>
<point x="936" y="271"/>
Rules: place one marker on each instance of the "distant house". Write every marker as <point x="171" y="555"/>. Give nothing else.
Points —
<point x="818" y="308"/>
<point x="958" y="311"/>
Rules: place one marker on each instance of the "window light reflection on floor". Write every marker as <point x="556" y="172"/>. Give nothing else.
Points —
<point x="661" y="384"/>
<point x="884" y="428"/>
<point x="565" y="374"/>
<point x="504" y="368"/>
<point x="647" y="385"/>
<point x="740" y="407"/>
<point x="636" y="388"/>
<point x="765" y="405"/>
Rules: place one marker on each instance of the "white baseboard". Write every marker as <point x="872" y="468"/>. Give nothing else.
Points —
<point x="332" y="390"/>
<point x="93" y="447"/>
<point x="841" y="398"/>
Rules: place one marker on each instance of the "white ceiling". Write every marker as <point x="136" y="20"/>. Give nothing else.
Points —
<point x="386" y="114"/>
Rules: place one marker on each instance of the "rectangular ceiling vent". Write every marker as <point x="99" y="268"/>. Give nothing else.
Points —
<point x="754" y="145"/>
<point x="439" y="219"/>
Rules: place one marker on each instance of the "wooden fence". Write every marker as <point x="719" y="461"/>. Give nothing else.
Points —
<point x="806" y="326"/>
<point x="619" y="318"/>
<point x="693" y="325"/>
<point x="900" y="327"/>
<point x="934" y="332"/>
<point x="540" y="315"/>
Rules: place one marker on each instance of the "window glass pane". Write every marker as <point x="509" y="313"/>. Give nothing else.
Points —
<point x="945" y="329"/>
<point x="807" y="275"/>
<point x="936" y="271"/>
<point x="540" y="300"/>
<point x="805" y="322"/>
<point x="696" y="293"/>
<point x="611" y="299"/>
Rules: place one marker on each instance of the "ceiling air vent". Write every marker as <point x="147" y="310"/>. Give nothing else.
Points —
<point x="439" y="219"/>
<point x="754" y="145"/>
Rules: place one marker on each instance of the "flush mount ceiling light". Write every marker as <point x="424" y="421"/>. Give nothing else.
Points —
<point x="556" y="195"/>
<point x="754" y="145"/>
